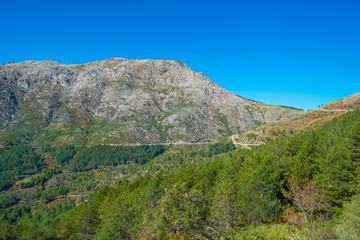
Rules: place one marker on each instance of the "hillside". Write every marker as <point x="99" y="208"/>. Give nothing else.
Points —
<point x="309" y="120"/>
<point x="121" y="101"/>
<point x="304" y="186"/>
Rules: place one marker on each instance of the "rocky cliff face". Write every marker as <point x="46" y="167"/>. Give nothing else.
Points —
<point x="121" y="101"/>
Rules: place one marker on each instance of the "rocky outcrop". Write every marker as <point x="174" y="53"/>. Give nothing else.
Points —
<point x="121" y="101"/>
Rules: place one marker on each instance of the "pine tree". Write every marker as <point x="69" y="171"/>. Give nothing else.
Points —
<point x="356" y="148"/>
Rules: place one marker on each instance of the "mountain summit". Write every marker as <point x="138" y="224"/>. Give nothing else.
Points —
<point x="121" y="101"/>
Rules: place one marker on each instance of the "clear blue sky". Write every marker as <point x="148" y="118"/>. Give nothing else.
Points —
<point x="299" y="53"/>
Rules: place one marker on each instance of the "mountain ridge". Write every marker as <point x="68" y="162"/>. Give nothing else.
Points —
<point x="121" y="101"/>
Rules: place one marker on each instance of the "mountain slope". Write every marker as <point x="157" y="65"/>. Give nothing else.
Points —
<point x="347" y="103"/>
<point x="121" y="101"/>
<point x="309" y="120"/>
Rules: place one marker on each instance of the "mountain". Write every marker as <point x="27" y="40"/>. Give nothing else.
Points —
<point x="347" y="103"/>
<point x="121" y="101"/>
<point x="309" y="120"/>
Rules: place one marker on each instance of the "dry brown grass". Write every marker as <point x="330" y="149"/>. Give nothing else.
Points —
<point x="309" y="120"/>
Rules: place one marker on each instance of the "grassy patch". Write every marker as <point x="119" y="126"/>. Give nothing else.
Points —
<point x="224" y="122"/>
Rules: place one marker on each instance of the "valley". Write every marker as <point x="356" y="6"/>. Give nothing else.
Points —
<point x="149" y="149"/>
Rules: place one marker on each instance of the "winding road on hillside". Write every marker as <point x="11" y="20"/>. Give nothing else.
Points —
<point x="245" y="144"/>
<point x="166" y="143"/>
<point x="334" y="110"/>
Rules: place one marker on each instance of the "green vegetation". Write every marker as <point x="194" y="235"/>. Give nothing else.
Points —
<point x="252" y="136"/>
<point x="348" y="226"/>
<point x="16" y="161"/>
<point x="216" y="149"/>
<point x="93" y="157"/>
<point x="7" y="200"/>
<point x="257" y="123"/>
<point x="41" y="179"/>
<point x="304" y="186"/>
<point x="223" y="120"/>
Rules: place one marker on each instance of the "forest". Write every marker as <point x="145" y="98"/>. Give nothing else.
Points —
<point x="303" y="186"/>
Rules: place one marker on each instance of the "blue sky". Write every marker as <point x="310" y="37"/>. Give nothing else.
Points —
<point x="298" y="53"/>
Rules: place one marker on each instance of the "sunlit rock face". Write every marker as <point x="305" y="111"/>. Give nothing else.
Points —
<point x="121" y="101"/>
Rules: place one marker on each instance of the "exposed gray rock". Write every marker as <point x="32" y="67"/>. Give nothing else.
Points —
<point x="124" y="101"/>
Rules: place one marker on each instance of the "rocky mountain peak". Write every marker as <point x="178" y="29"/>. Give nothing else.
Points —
<point x="122" y="101"/>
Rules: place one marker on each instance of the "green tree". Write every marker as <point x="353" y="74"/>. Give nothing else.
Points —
<point x="259" y="196"/>
<point x="225" y="209"/>
<point x="336" y="175"/>
<point x="355" y="140"/>
<point x="181" y="214"/>
<point x="6" y="231"/>
<point x="300" y="154"/>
